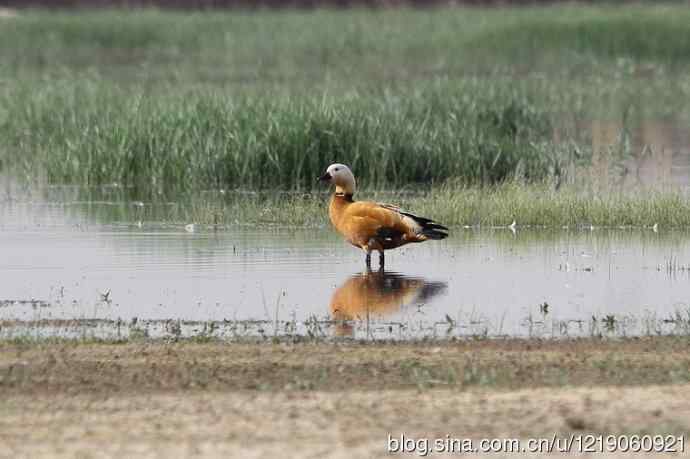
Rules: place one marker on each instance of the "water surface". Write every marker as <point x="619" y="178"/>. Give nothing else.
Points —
<point x="64" y="275"/>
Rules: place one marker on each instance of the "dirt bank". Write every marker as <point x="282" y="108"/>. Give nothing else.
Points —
<point x="500" y="364"/>
<point x="341" y="400"/>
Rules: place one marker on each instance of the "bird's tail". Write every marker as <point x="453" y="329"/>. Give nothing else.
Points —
<point x="428" y="228"/>
<point x="435" y="231"/>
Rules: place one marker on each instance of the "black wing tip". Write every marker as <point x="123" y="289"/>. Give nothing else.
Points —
<point x="430" y="228"/>
<point x="434" y="234"/>
<point x="435" y="226"/>
<point x="425" y="222"/>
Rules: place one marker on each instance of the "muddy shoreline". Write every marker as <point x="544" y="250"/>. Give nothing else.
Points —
<point x="190" y="399"/>
<point x="510" y="364"/>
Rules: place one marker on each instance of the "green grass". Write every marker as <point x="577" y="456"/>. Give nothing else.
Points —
<point x="169" y="105"/>
<point x="247" y="48"/>
<point x="654" y="33"/>
<point x="93" y="136"/>
<point x="541" y="205"/>
<point x="530" y="205"/>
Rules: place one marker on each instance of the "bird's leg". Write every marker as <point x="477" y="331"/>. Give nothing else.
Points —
<point x="382" y="260"/>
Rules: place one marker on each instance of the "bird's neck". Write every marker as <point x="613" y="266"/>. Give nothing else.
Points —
<point x="341" y="195"/>
<point x="347" y="188"/>
<point x="339" y="202"/>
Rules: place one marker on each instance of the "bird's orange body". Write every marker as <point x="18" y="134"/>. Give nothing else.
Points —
<point x="371" y="226"/>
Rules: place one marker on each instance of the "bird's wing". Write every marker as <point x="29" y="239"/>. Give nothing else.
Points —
<point x="421" y="226"/>
<point x="370" y="218"/>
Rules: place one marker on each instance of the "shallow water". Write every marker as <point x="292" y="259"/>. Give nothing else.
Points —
<point x="64" y="275"/>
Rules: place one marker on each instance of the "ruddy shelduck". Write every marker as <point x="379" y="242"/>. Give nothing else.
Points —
<point x="370" y="225"/>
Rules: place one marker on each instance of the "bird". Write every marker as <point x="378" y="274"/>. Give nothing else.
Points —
<point x="373" y="226"/>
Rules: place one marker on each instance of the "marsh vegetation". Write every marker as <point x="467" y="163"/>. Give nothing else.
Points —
<point x="449" y="103"/>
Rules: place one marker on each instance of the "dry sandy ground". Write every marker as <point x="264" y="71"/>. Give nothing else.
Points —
<point x="329" y="400"/>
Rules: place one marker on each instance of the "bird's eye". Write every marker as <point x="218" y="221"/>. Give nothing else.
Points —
<point x="336" y="169"/>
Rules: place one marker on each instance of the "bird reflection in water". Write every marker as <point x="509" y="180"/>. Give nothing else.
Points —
<point x="374" y="294"/>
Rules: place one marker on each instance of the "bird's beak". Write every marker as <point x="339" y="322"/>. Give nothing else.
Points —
<point x="325" y="177"/>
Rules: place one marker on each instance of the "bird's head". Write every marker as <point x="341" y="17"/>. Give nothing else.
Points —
<point x="341" y="176"/>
